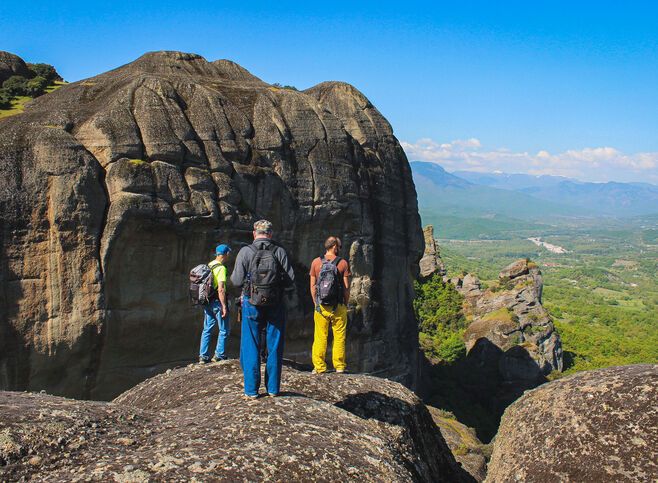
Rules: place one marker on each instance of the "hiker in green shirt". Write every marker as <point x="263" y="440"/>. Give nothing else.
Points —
<point x="216" y="312"/>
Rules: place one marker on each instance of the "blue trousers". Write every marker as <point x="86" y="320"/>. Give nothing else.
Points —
<point x="213" y="317"/>
<point x="274" y="321"/>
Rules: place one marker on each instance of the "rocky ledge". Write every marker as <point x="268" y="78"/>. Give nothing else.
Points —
<point x="594" y="426"/>
<point x="192" y="423"/>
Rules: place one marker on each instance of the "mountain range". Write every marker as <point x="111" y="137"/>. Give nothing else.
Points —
<point x="467" y="204"/>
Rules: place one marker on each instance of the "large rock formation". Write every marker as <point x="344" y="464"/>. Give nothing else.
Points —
<point x="112" y="188"/>
<point x="192" y="424"/>
<point x="511" y="329"/>
<point x="11" y="64"/>
<point x="512" y="346"/>
<point x="593" y="426"/>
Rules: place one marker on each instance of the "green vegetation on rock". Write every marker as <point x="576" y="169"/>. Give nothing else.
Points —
<point x="438" y="307"/>
<point x="17" y="90"/>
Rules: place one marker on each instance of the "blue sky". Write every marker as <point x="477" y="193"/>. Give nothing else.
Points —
<point x="561" y="87"/>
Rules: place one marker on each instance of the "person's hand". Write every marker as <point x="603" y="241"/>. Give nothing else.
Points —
<point x="224" y="311"/>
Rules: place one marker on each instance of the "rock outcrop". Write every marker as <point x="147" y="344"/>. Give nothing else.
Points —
<point x="192" y="423"/>
<point x="431" y="262"/>
<point x="11" y="64"/>
<point x="593" y="426"/>
<point x="512" y="346"/>
<point x="511" y="329"/>
<point x="112" y="188"/>
<point x="467" y="449"/>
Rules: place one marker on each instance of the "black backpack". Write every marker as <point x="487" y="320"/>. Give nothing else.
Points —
<point x="329" y="286"/>
<point x="264" y="277"/>
<point x="201" y="289"/>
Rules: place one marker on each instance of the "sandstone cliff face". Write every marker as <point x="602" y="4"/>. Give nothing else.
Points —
<point x="593" y="426"/>
<point x="112" y="188"/>
<point x="192" y="423"/>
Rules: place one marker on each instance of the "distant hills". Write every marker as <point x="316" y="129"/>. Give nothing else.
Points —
<point x="475" y="205"/>
<point x="592" y="199"/>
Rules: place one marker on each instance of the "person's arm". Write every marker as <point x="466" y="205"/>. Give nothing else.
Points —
<point x="238" y="274"/>
<point x="287" y="268"/>
<point x="313" y="282"/>
<point x="346" y="282"/>
<point x="221" y="294"/>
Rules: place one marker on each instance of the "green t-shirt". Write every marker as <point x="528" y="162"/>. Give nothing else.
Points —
<point x="218" y="272"/>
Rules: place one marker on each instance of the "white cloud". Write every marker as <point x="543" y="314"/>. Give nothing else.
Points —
<point x="589" y="164"/>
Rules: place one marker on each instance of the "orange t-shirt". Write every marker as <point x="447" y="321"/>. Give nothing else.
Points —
<point x="343" y="267"/>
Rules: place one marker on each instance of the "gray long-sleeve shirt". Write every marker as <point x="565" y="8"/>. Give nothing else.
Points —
<point x="245" y="255"/>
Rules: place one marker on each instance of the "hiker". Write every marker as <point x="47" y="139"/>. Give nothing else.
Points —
<point x="330" y="289"/>
<point x="216" y="310"/>
<point x="263" y="271"/>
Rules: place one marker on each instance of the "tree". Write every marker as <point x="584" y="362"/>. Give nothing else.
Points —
<point x="46" y="71"/>
<point x="37" y="86"/>
<point x="441" y="319"/>
<point x="16" y="85"/>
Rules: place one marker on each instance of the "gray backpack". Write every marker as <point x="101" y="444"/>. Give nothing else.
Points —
<point x="201" y="289"/>
<point x="264" y="277"/>
<point x="329" y="286"/>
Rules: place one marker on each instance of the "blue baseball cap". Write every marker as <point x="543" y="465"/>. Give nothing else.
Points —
<point x="222" y="249"/>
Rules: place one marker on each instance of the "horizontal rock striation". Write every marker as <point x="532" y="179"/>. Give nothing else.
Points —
<point x="593" y="426"/>
<point x="192" y="423"/>
<point x="112" y="188"/>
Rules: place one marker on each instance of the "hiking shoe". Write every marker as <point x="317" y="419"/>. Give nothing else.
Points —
<point x="316" y="372"/>
<point x="203" y="360"/>
<point x="340" y="371"/>
<point x="247" y="397"/>
<point x="272" y="395"/>
<point x="217" y="359"/>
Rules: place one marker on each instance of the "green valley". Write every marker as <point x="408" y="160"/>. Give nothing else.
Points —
<point x="602" y="293"/>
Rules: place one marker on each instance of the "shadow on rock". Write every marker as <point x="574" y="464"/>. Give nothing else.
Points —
<point x="478" y="387"/>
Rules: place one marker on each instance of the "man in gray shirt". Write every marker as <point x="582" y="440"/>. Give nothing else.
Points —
<point x="262" y="307"/>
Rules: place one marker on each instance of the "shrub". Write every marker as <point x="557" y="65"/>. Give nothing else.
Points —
<point x="37" y="86"/>
<point x="16" y="85"/>
<point x="5" y="99"/>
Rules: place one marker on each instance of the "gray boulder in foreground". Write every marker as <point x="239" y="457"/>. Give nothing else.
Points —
<point x="597" y="426"/>
<point x="193" y="423"/>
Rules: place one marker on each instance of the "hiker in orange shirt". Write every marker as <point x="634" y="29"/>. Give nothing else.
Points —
<point x="330" y="289"/>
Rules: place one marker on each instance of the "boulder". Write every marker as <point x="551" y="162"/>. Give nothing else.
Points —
<point x="11" y="64"/>
<point x="192" y="423"/>
<point x="515" y="269"/>
<point x="113" y="187"/>
<point x="593" y="426"/>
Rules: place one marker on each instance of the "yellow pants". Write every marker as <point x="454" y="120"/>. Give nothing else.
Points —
<point x="337" y="319"/>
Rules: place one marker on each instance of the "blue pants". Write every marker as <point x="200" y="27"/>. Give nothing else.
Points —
<point x="213" y="317"/>
<point x="274" y="321"/>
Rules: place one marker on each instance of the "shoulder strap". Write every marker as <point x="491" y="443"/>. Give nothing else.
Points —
<point x="336" y="261"/>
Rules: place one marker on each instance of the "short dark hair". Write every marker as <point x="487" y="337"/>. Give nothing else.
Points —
<point x="331" y="242"/>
